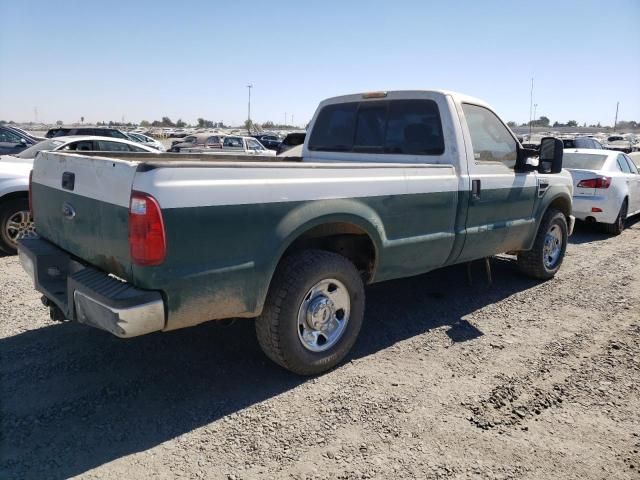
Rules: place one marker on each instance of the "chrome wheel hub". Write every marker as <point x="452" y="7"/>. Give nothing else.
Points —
<point x="19" y="225"/>
<point x="552" y="246"/>
<point x="323" y="315"/>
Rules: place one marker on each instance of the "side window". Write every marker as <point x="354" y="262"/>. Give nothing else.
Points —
<point x="233" y="142"/>
<point x="414" y="128"/>
<point x="9" y="137"/>
<point x="333" y="130"/>
<point x="632" y="166"/>
<point x="622" y="164"/>
<point x="213" y="140"/>
<point x="190" y="139"/>
<point x="136" y="149"/>
<point x="81" y="145"/>
<point x="254" y="145"/>
<point x="490" y="139"/>
<point x="106" y="146"/>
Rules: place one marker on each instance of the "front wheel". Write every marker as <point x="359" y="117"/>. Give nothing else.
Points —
<point x="15" y="222"/>
<point x="544" y="259"/>
<point x="313" y="312"/>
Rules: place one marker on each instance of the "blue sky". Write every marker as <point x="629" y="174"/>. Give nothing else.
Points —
<point x="145" y="59"/>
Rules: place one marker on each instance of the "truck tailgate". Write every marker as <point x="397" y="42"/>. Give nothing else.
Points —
<point x="81" y="204"/>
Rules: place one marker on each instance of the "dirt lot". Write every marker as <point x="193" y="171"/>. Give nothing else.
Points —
<point x="517" y="380"/>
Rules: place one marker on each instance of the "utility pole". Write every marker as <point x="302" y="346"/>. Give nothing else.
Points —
<point x="535" y="108"/>
<point x="530" y="107"/>
<point x="615" y="122"/>
<point x="249" y="86"/>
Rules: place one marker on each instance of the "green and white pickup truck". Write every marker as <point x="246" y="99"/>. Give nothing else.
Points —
<point x="389" y="185"/>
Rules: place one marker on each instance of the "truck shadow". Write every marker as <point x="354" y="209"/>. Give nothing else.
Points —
<point x="74" y="398"/>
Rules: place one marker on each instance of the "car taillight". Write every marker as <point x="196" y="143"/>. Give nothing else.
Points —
<point x="147" y="241"/>
<point x="598" y="182"/>
<point x="30" y="194"/>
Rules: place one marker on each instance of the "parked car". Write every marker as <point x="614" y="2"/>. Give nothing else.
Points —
<point x="94" y="131"/>
<point x="291" y="140"/>
<point x="178" y="133"/>
<point x="15" y="219"/>
<point x="620" y="143"/>
<point x="200" y="140"/>
<point x="272" y="142"/>
<point x="25" y="133"/>
<point x="606" y="187"/>
<point x="232" y="144"/>
<point x="582" y="142"/>
<point x="14" y="141"/>
<point x="391" y="184"/>
<point x="145" y="140"/>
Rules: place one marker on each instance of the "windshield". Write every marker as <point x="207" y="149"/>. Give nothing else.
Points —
<point x="584" y="161"/>
<point x="39" y="147"/>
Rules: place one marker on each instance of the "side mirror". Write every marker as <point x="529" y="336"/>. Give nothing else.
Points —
<point x="550" y="155"/>
<point x="521" y="161"/>
<point x="23" y="142"/>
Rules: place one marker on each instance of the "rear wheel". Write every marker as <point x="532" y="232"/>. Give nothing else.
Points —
<point x="617" y="227"/>
<point x="544" y="259"/>
<point x="15" y="222"/>
<point x="313" y="312"/>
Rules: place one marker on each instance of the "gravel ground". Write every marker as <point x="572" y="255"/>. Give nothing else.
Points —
<point x="515" y="380"/>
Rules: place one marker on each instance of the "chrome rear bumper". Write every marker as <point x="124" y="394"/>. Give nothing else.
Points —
<point x="90" y="296"/>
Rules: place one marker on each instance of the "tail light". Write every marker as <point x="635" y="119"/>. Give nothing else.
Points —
<point x="30" y="194"/>
<point x="147" y="241"/>
<point x="598" y="182"/>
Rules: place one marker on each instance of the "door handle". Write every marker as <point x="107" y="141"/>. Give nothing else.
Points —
<point x="475" y="189"/>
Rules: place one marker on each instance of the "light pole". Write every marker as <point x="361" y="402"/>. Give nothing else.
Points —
<point x="249" y="86"/>
<point x="535" y="107"/>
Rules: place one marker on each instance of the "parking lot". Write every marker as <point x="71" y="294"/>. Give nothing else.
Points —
<point x="515" y="380"/>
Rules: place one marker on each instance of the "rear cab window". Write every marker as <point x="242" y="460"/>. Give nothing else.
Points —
<point x="410" y="127"/>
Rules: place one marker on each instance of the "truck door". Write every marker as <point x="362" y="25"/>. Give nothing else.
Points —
<point x="501" y="201"/>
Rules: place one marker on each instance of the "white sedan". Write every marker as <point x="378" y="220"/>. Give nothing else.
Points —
<point x="606" y="187"/>
<point x="15" y="219"/>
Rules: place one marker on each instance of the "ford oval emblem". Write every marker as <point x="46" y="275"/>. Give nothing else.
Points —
<point x="68" y="211"/>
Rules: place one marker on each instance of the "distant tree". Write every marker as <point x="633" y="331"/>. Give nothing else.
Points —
<point x="268" y="124"/>
<point x="598" y="125"/>
<point x="180" y="123"/>
<point x="166" y="122"/>
<point x="144" y="123"/>
<point x="248" y="124"/>
<point x="2" y="122"/>
<point x="81" y="119"/>
<point x="572" y="123"/>
<point x="59" y="122"/>
<point x="556" y="124"/>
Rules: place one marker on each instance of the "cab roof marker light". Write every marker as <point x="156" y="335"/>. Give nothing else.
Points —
<point x="374" y="95"/>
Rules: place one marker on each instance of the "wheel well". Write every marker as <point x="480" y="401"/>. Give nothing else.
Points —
<point x="563" y="204"/>
<point x="13" y="195"/>
<point x="346" y="239"/>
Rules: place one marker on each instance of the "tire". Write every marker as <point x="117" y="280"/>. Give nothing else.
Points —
<point x="16" y="211"/>
<point x="294" y="294"/>
<point x="617" y="227"/>
<point x="539" y="262"/>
